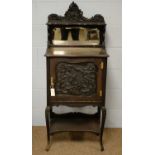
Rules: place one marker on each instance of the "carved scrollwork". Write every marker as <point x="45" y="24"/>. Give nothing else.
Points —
<point x="76" y="78"/>
<point x="74" y="14"/>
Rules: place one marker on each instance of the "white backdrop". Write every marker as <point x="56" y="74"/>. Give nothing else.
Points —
<point x="111" y="10"/>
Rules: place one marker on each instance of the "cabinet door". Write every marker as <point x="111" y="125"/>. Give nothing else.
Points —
<point x="77" y="79"/>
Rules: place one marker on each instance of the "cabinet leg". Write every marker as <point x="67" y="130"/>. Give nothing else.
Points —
<point x="48" y="120"/>
<point x="48" y="146"/>
<point x="102" y="121"/>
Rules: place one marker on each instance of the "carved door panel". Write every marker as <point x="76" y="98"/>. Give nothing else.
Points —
<point x="79" y="78"/>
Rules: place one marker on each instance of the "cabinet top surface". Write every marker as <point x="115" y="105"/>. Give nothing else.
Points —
<point x="75" y="52"/>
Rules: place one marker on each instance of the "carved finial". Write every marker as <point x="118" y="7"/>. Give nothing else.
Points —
<point x="73" y="12"/>
<point x="98" y="18"/>
<point x="73" y="5"/>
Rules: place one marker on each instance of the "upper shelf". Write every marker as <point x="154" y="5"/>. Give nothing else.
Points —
<point x="73" y="29"/>
<point x="75" y="52"/>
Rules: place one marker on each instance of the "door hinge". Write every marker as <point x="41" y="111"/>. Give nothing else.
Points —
<point x="102" y="65"/>
<point x="100" y="92"/>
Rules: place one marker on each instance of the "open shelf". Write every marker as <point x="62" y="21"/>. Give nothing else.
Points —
<point x="75" y="122"/>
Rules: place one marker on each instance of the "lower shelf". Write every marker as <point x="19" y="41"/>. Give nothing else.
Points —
<point x="75" y="122"/>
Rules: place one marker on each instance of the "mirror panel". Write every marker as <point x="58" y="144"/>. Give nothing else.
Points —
<point x="76" y="36"/>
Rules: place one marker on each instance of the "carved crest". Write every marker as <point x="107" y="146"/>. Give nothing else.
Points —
<point x="74" y="14"/>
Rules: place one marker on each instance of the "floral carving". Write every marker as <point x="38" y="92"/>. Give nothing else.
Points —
<point x="76" y="78"/>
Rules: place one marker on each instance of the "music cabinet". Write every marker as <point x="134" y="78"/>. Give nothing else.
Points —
<point x="76" y="62"/>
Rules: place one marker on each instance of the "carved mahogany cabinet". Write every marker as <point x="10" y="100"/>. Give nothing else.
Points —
<point x="76" y="72"/>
